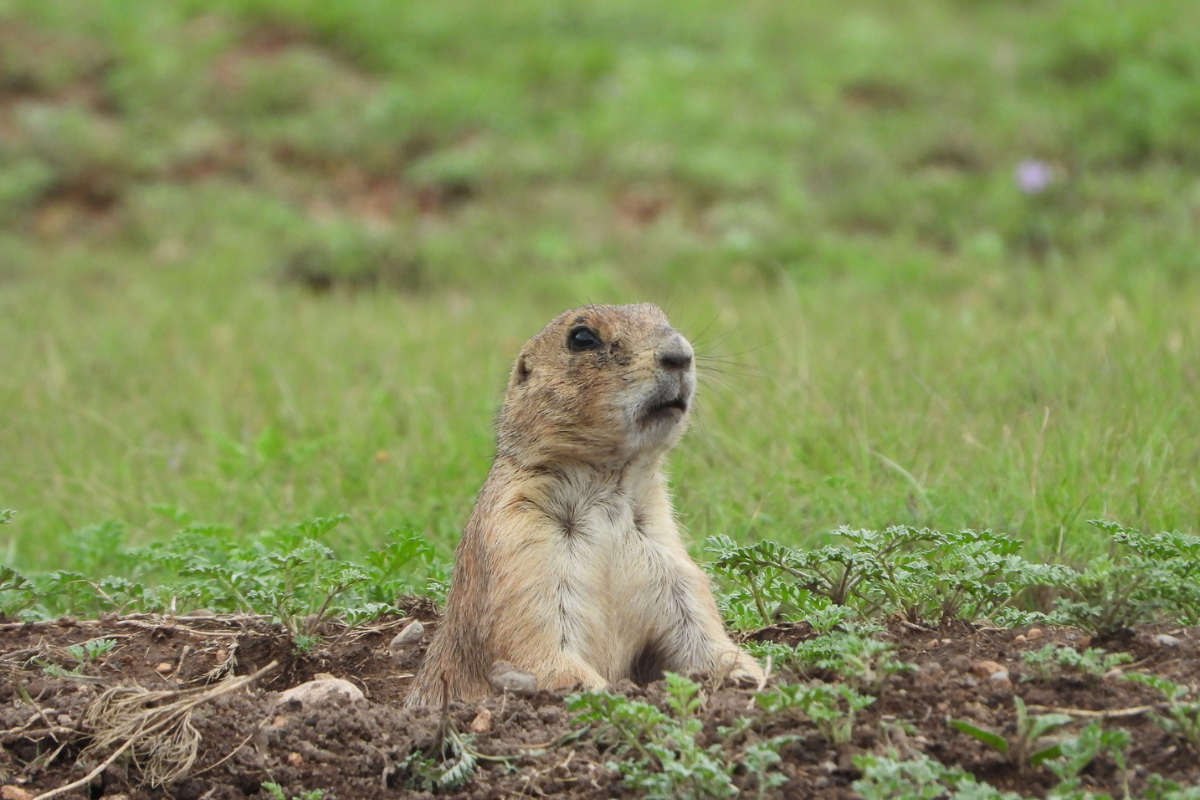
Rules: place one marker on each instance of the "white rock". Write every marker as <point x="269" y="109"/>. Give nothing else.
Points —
<point x="1166" y="640"/>
<point x="321" y="691"/>
<point x="411" y="634"/>
<point x="508" y="677"/>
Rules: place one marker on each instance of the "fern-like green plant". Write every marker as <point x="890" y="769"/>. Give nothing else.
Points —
<point x="658" y="753"/>
<point x="1030" y="745"/>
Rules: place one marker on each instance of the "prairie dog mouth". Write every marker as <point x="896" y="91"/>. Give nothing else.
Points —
<point x="665" y="409"/>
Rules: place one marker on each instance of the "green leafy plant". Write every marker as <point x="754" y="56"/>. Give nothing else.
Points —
<point x="760" y="581"/>
<point x="863" y="660"/>
<point x="1076" y="752"/>
<point x="828" y="618"/>
<point x="854" y="654"/>
<point x="1030" y="745"/>
<point x="286" y="571"/>
<point x="1182" y="719"/>
<point x="918" y="573"/>
<point x="664" y="759"/>
<point x="759" y="758"/>
<point x="277" y="793"/>
<point x="831" y="707"/>
<point x="303" y="643"/>
<point x="1172" y="561"/>
<point x="91" y="650"/>
<point x="1158" y="788"/>
<point x="390" y="566"/>
<point x="919" y="778"/>
<point x="16" y="593"/>
<point x="1092" y="663"/>
<point x="82" y="654"/>
<point x="1158" y="579"/>
<point x="454" y="770"/>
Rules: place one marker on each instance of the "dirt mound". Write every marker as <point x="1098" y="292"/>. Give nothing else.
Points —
<point x="362" y="748"/>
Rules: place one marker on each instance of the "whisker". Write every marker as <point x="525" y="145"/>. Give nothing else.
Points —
<point x="757" y="347"/>
<point x="699" y="341"/>
<point x="739" y="370"/>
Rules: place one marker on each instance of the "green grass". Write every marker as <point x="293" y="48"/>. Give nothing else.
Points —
<point x="821" y="194"/>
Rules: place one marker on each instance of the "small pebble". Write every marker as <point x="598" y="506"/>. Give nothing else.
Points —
<point x="1020" y="637"/>
<point x="164" y="667"/>
<point x="986" y="669"/>
<point x="931" y="643"/>
<point x="320" y="691"/>
<point x="1166" y="640"/>
<point x="1000" y="676"/>
<point x="1033" y="633"/>
<point x="482" y="722"/>
<point x="959" y="662"/>
<point x="930" y="675"/>
<point x="295" y="759"/>
<point x="280" y="721"/>
<point x="411" y="634"/>
<point x="507" y="677"/>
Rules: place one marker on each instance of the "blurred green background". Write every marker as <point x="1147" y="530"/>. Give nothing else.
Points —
<point x="266" y="259"/>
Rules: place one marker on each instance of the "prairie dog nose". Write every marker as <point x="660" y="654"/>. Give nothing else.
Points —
<point x="675" y="353"/>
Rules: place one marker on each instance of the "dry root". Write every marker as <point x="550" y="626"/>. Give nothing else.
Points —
<point x="154" y="726"/>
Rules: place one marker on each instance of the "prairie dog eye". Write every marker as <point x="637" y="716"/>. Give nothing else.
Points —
<point x="583" y="338"/>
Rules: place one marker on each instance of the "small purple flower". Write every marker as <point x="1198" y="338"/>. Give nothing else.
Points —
<point x="1033" y="176"/>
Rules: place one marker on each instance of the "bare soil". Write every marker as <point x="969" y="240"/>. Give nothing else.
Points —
<point x="356" y="749"/>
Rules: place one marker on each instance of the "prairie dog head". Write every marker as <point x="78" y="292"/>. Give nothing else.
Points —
<point x="599" y="384"/>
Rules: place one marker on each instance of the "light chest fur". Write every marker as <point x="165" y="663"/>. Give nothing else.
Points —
<point x="608" y="565"/>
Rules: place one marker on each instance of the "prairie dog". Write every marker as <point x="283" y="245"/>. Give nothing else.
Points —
<point x="571" y="565"/>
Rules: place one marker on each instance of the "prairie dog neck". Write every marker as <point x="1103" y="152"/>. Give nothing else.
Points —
<point x="576" y="495"/>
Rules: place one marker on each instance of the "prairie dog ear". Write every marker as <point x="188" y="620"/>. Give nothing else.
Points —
<point x="523" y="370"/>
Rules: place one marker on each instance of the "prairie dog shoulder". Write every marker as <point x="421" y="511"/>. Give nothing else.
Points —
<point x="571" y="565"/>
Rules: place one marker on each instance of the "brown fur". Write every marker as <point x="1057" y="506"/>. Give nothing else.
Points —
<point x="571" y="565"/>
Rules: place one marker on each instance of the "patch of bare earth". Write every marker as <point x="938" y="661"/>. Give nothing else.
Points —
<point x="356" y="748"/>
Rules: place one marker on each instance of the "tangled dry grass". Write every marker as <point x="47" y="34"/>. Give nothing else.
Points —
<point x="154" y="726"/>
